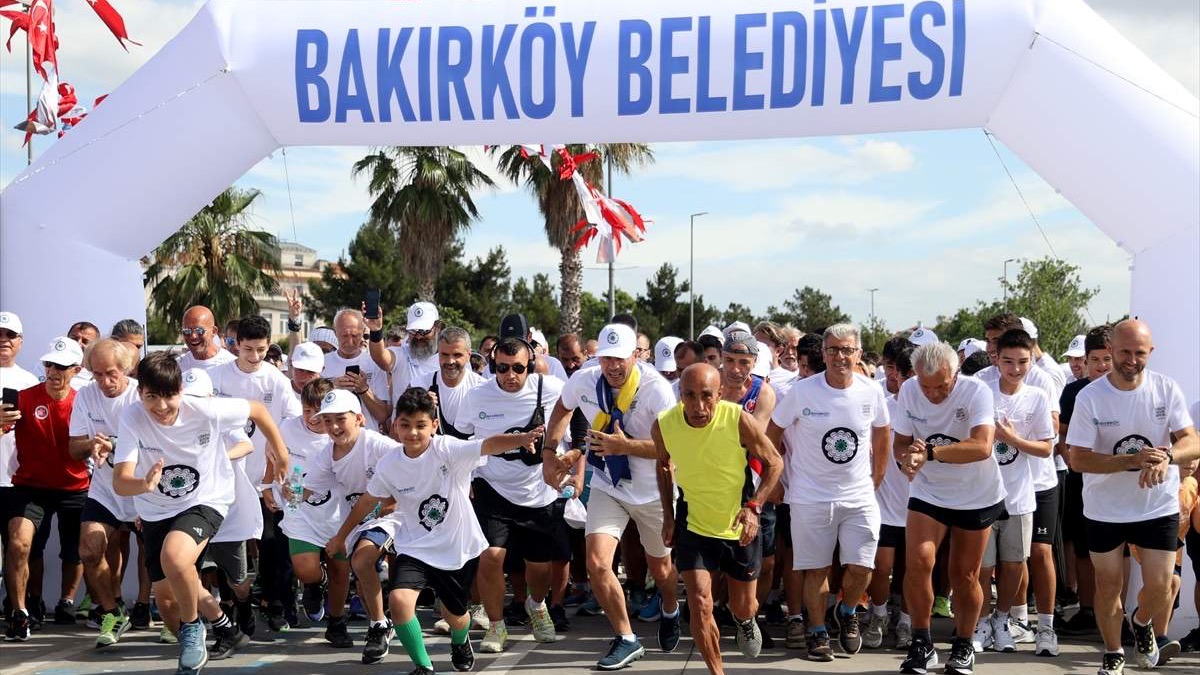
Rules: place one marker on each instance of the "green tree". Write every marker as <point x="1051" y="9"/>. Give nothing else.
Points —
<point x="560" y="207"/>
<point x="215" y="260"/>
<point x="663" y="309"/>
<point x="479" y="290"/>
<point x="536" y="300"/>
<point x="594" y="311"/>
<point x="738" y="312"/>
<point x="1050" y="293"/>
<point x="371" y="262"/>
<point x="874" y="335"/>
<point x="811" y="311"/>
<point x="424" y="194"/>
<point x="966" y="322"/>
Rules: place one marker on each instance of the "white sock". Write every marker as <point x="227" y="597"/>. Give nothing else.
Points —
<point x="535" y="606"/>
<point x="673" y="613"/>
<point x="1020" y="612"/>
<point x="879" y="610"/>
<point x="379" y="624"/>
<point x="795" y="617"/>
<point x="629" y="637"/>
<point x="905" y="619"/>
<point x="1046" y="620"/>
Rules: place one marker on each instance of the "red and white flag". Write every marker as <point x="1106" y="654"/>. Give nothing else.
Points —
<point x="112" y="18"/>
<point x="42" y="41"/>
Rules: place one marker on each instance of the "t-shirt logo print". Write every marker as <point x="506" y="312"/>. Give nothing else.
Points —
<point x="41" y="412"/>
<point x="203" y="438"/>
<point x="960" y="414"/>
<point x="433" y="511"/>
<point x="1005" y="453"/>
<point x="839" y="445"/>
<point x="1131" y="445"/>
<point x="178" y="480"/>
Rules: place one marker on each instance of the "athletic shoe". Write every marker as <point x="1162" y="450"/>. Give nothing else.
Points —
<point x="479" y="617"/>
<point x="94" y="617"/>
<point x="873" y="636"/>
<point x="543" y="625"/>
<point x="1046" y="642"/>
<point x="277" y="619"/>
<point x="247" y="621"/>
<point x="1022" y="632"/>
<point x="64" y="612"/>
<point x="1112" y="664"/>
<point x="575" y="598"/>
<point x="941" y="607"/>
<point x="337" y="632"/>
<point x="652" y="610"/>
<point x="621" y="652"/>
<point x="357" y="611"/>
<point x="723" y="617"/>
<point x="768" y="642"/>
<point x="558" y="614"/>
<point x="494" y="639"/>
<point x="904" y="635"/>
<point x="1002" y="634"/>
<point x="849" y="636"/>
<point x="112" y="627"/>
<point x="84" y="609"/>
<point x="774" y="614"/>
<point x="962" y="658"/>
<point x="139" y="616"/>
<point x="1146" y="645"/>
<point x="166" y="637"/>
<point x="462" y="657"/>
<point x="313" y="599"/>
<point x="669" y="632"/>
<point x="421" y="670"/>
<point x="1191" y="641"/>
<point x="818" y="646"/>
<point x="921" y="658"/>
<point x="229" y="640"/>
<point x="192" y="652"/>
<point x="515" y="613"/>
<point x="637" y="599"/>
<point x="590" y="606"/>
<point x="795" y="634"/>
<point x="441" y="627"/>
<point x="37" y="612"/>
<point x="749" y="638"/>
<point x="1167" y="649"/>
<point x="985" y="635"/>
<point x="1083" y="623"/>
<point x="18" y="626"/>
<point x="379" y="640"/>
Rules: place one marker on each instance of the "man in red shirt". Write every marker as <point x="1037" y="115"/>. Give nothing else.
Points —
<point x="48" y="480"/>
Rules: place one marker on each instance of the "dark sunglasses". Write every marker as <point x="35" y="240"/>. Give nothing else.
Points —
<point x="420" y="333"/>
<point x="6" y="333"/>
<point x="60" y="368"/>
<point x="518" y="368"/>
<point x="199" y="332"/>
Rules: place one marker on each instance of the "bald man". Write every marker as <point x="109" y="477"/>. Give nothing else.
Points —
<point x="714" y="526"/>
<point x="1128" y="429"/>
<point x="204" y="349"/>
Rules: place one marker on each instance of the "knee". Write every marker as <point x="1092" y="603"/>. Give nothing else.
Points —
<point x="92" y="550"/>
<point x="363" y="560"/>
<point x="856" y="573"/>
<point x="492" y="560"/>
<point x="598" y="566"/>
<point x="19" y="548"/>
<point x="700" y="607"/>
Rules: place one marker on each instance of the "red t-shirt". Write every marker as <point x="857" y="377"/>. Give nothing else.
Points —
<point x="41" y="436"/>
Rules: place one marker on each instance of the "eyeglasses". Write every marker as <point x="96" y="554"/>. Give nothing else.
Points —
<point x="518" y="368"/>
<point x="841" y="351"/>
<point x="8" y="334"/>
<point x="420" y="333"/>
<point x="198" y="332"/>
<point x="56" y="366"/>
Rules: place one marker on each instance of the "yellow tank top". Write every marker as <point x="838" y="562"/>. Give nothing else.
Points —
<point x="710" y="468"/>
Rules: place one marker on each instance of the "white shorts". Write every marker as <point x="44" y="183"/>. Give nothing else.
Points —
<point x="1010" y="540"/>
<point x="608" y="515"/>
<point x="818" y="528"/>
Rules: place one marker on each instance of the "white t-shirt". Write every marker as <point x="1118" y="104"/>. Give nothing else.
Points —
<point x="351" y="473"/>
<point x="892" y="494"/>
<point x="1029" y="412"/>
<point x="94" y="413"/>
<point x="450" y="398"/>
<point x="1045" y="475"/>
<point x="12" y="377"/>
<point x="434" y="521"/>
<point x="653" y="396"/>
<point x="828" y="436"/>
<point x="488" y="411"/>
<point x="269" y="387"/>
<point x="315" y="519"/>
<point x="407" y="370"/>
<point x="976" y="485"/>
<point x="196" y="470"/>
<point x="377" y="380"/>
<point x="781" y="380"/>
<point x="557" y="369"/>
<point x="244" y="520"/>
<point x="82" y="379"/>
<point x="1054" y="370"/>
<point x="1110" y="421"/>
<point x="223" y="356"/>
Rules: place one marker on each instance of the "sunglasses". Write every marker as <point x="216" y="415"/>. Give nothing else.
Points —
<point x="199" y="332"/>
<point x="8" y="334"/>
<point x="518" y="368"/>
<point x="420" y="333"/>
<point x="60" y="368"/>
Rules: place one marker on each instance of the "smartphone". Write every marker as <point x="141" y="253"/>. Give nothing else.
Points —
<point x="353" y="369"/>
<point x="10" y="397"/>
<point x="372" y="303"/>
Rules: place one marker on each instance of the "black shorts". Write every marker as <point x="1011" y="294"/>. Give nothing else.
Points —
<point x="1193" y="550"/>
<point x="95" y="512"/>
<point x="891" y="536"/>
<point x="768" y="521"/>
<point x="783" y="526"/>
<point x="40" y="505"/>
<point x="1045" y="517"/>
<point x="1074" y="525"/>
<point x="963" y="519"/>
<point x="697" y="552"/>
<point x="198" y="522"/>
<point x="1156" y="534"/>
<point x="453" y="587"/>
<point x="538" y="532"/>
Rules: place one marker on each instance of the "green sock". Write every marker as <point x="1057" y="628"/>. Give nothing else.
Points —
<point x="414" y="643"/>
<point x="458" y="637"/>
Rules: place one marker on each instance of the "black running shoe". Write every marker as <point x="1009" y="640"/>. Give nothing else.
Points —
<point x="379" y="640"/>
<point x="247" y="620"/>
<point x="18" y="627"/>
<point x="462" y="657"/>
<point x="922" y="657"/>
<point x="139" y="616"/>
<point x="229" y="640"/>
<point x="337" y="633"/>
<point x="558" y="614"/>
<point x="962" y="657"/>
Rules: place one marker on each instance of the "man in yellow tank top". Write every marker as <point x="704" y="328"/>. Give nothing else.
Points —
<point x="714" y="527"/>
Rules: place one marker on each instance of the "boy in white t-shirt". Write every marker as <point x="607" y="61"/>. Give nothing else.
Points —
<point x="1024" y="435"/>
<point x="433" y="529"/>
<point x="184" y="488"/>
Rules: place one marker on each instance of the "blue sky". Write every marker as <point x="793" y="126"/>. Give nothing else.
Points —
<point x="928" y="218"/>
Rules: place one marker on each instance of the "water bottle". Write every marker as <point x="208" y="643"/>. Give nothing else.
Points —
<point x="568" y="491"/>
<point x="296" y="491"/>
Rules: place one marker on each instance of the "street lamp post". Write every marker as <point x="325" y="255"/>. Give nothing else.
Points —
<point x="1004" y="281"/>
<point x="872" y="292"/>
<point x="692" y="274"/>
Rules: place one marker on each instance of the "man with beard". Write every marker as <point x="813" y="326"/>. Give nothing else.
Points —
<point x="771" y="336"/>
<point x="204" y="348"/>
<point x="411" y="362"/>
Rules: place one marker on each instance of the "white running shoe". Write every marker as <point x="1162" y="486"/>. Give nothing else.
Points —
<point x="1002" y="637"/>
<point x="983" y="638"/>
<point x="1046" y="641"/>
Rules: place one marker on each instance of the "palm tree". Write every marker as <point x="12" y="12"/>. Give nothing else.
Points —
<point x="424" y="195"/>
<point x="215" y="260"/>
<point x="559" y="205"/>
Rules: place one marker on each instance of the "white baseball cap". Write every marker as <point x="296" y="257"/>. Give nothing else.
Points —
<point x="922" y="336"/>
<point x="664" y="354"/>
<point x="308" y="356"/>
<point x="196" y="382"/>
<point x="422" y="316"/>
<point x="713" y="331"/>
<point x="1029" y="327"/>
<point x="962" y="346"/>
<point x="537" y="337"/>
<point x="974" y="345"/>
<point x="64" y="351"/>
<point x="323" y="334"/>
<point x="737" y="325"/>
<point x="340" y="401"/>
<point x="616" y="340"/>
<point x="762" y="366"/>
<point x="12" y="322"/>
<point x="1076" y="348"/>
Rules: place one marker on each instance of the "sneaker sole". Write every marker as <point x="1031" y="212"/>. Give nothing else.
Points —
<point x="1168" y="652"/>
<point x="624" y="662"/>
<point x="490" y="649"/>
<point x="1046" y="653"/>
<point x="959" y="671"/>
<point x="368" y="660"/>
<point x="650" y="619"/>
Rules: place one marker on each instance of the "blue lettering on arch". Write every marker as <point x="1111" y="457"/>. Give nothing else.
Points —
<point x="493" y="74"/>
<point x="352" y="73"/>
<point x="308" y="77"/>
<point x="849" y="41"/>
<point x="545" y="34"/>
<point x="781" y="97"/>
<point x="883" y="51"/>
<point x="632" y="65"/>
<point x="928" y="48"/>
<point x="389" y="79"/>
<point x="670" y="65"/>
<point x="454" y="75"/>
<point x="745" y="60"/>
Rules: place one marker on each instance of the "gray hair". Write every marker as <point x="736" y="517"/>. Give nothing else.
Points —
<point x="349" y="312"/>
<point x="841" y="331"/>
<point x="452" y="334"/>
<point x="931" y="358"/>
<point x="125" y="328"/>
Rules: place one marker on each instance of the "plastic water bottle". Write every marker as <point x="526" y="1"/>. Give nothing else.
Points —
<point x="296" y="485"/>
<point x="568" y="491"/>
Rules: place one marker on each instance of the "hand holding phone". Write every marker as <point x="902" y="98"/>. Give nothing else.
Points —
<point x="353" y="368"/>
<point x="372" y="303"/>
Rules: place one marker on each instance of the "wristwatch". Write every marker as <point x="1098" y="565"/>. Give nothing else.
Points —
<point x="929" y="453"/>
<point x="753" y="506"/>
<point x="1170" y="455"/>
